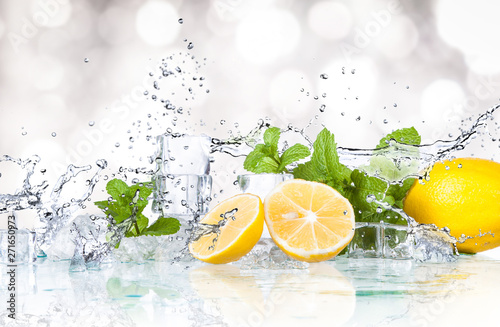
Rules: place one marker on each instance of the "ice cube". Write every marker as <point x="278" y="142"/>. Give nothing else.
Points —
<point x="138" y="249"/>
<point x="184" y="154"/>
<point x="367" y="241"/>
<point x="173" y="249"/>
<point x="17" y="246"/>
<point x="63" y="246"/>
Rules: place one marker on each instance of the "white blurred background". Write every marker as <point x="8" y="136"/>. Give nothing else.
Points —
<point x="73" y="73"/>
<point x="431" y="61"/>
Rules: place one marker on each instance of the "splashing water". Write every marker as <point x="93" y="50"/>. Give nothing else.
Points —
<point x="426" y="242"/>
<point x="29" y="196"/>
<point x="53" y="213"/>
<point x="196" y="231"/>
<point x="418" y="158"/>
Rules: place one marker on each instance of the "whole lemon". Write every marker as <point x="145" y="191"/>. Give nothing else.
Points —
<point x="463" y="195"/>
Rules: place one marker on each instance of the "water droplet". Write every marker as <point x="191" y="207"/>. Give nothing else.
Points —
<point x="407" y="87"/>
<point x="153" y="97"/>
<point x="323" y="76"/>
<point x="178" y="69"/>
<point x="131" y="139"/>
<point x="385" y="121"/>
<point x="345" y="212"/>
<point x="395" y="105"/>
<point x="91" y="123"/>
<point x="343" y="70"/>
<point x="53" y="134"/>
<point x="190" y="45"/>
<point x="447" y="167"/>
<point x="117" y="144"/>
<point x="222" y="122"/>
<point x="324" y="95"/>
<point x="353" y="71"/>
<point x="86" y="60"/>
<point x="208" y="91"/>
<point x="358" y="119"/>
<point x="146" y="92"/>
<point x="459" y="165"/>
<point x="370" y="198"/>
<point x="342" y="113"/>
<point x="181" y="20"/>
<point x="322" y="108"/>
<point x="24" y="133"/>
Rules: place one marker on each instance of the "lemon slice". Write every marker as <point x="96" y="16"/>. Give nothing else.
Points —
<point x="237" y="236"/>
<point x="309" y="221"/>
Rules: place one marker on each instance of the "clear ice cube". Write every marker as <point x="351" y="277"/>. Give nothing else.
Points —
<point x="20" y="244"/>
<point x="184" y="154"/>
<point x="138" y="249"/>
<point x="381" y="240"/>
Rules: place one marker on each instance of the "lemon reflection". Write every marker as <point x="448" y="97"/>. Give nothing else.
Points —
<point x="318" y="296"/>
<point x="322" y="297"/>
<point x="226" y="291"/>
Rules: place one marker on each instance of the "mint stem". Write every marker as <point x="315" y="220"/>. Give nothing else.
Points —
<point x="137" y="228"/>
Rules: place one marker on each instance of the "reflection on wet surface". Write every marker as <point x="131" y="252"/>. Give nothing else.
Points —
<point x="344" y="292"/>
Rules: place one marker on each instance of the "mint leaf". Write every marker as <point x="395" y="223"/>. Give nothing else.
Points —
<point x="396" y="162"/>
<point x="267" y="165"/>
<point x="403" y="135"/>
<point x="307" y="172"/>
<point x="163" y="226"/>
<point x="144" y="193"/>
<point x="254" y="158"/>
<point x="126" y="208"/>
<point x="272" y="136"/>
<point x="116" y="188"/>
<point x="399" y="191"/>
<point x="294" y="153"/>
<point x="324" y="166"/>
<point x="325" y="154"/>
<point x="364" y="187"/>
<point x="265" y="158"/>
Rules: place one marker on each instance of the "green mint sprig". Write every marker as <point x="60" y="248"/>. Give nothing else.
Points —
<point x="129" y="202"/>
<point x="265" y="158"/>
<point x="358" y="186"/>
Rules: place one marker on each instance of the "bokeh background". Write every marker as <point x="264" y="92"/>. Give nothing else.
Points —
<point x="73" y="74"/>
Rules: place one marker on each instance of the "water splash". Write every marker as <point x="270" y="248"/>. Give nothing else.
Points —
<point x="419" y="158"/>
<point x="28" y="197"/>
<point x="427" y="241"/>
<point x="53" y="212"/>
<point x="240" y="145"/>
